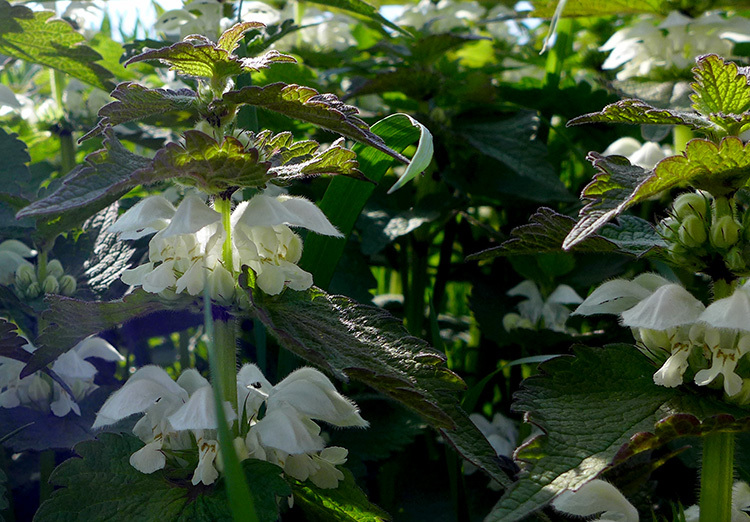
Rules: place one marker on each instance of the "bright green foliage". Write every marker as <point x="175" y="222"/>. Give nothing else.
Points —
<point x="368" y="344"/>
<point x="637" y="112"/>
<point x="545" y="8"/>
<point x="721" y="92"/>
<point x="362" y="8"/>
<point x="128" y="494"/>
<point x="136" y="102"/>
<point x="597" y="409"/>
<point x="70" y="321"/>
<point x="231" y="38"/>
<point x="33" y="37"/>
<point x="345" y="503"/>
<point x="307" y="104"/>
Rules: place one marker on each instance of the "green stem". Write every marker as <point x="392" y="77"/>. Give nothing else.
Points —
<point x="67" y="151"/>
<point x="717" y="476"/>
<point x="184" y="348"/>
<point x="415" y="296"/>
<point x="223" y="206"/>
<point x="299" y="14"/>
<point x="225" y="348"/>
<point x="680" y="137"/>
<point x="46" y="466"/>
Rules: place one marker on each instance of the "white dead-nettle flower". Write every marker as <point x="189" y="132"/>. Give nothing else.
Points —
<point x="597" y="497"/>
<point x="673" y="45"/>
<point x="552" y="311"/>
<point x="203" y="17"/>
<point x="188" y="243"/>
<point x="40" y="392"/>
<point x="645" y="155"/>
<point x="618" y="295"/>
<point x="441" y="17"/>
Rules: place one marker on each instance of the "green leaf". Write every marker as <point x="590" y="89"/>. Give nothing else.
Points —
<point x="11" y="344"/>
<point x="612" y="190"/>
<point x="198" y="56"/>
<point x="38" y="38"/>
<point x="597" y="409"/>
<point x="721" y="92"/>
<point x="633" y="235"/>
<point x="136" y="102"/>
<point x="363" y="9"/>
<point x="231" y="38"/>
<point x="637" y="112"/>
<point x="421" y="159"/>
<point x="545" y="232"/>
<point x="306" y="104"/>
<point x="368" y="344"/>
<point x="322" y="253"/>
<point x="345" y="503"/>
<point x="546" y="8"/>
<point x="127" y="494"/>
<point x="70" y="321"/>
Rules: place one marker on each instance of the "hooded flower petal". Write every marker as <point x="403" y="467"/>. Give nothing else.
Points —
<point x="191" y="216"/>
<point x="145" y="217"/>
<point x="285" y="429"/>
<point x="614" y="297"/>
<point x="97" y="347"/>
<point x="597" y="496"/>
<point x="199" y="413"/>
<point x="731" y="312"/>
<point x="668" y="307"/>
<point x="266" y="211"/>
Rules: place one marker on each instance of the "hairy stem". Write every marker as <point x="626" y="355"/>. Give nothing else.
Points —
<point x="717" y="475"/>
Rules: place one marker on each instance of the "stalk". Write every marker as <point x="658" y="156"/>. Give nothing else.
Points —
<point x="223" y="205"/>
<point x="224" y="375"/>
<point x="717" y="476"/>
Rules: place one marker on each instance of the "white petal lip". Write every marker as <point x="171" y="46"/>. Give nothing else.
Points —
<point x="191" y="216"/>
<point x="731" y="312"/>
<point x="144" y="218"/>
<point x="668" y="307"/>
<point x="149" y="458"/>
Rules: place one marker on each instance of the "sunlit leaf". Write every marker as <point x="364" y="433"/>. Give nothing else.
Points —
<point x="362" y="8"/>
<point x="721" y="92"/>
<point x="421" y="159"/>
<point x="37" y="37"/>
<point x="546" y="8"/>
<point x="231" y="38"/>
<point x="637" y="112"/>
<point x="306" y="104"/>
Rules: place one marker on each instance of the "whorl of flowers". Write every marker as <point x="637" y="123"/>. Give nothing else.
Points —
<point x="277" y="423"/>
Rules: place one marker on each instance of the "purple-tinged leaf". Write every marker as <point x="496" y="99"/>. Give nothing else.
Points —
<point x="307" y="104"/>
<point x="335" y="160"/>
<point x="136" y="102"/>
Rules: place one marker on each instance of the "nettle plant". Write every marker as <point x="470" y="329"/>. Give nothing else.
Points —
<point x="616" y="409"/>
<point x="237" y="446"/>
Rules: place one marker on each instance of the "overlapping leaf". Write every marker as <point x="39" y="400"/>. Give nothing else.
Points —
<point x="596" y="409"/>
<point x="307" y="104"/>
<point x="11" y="344"/>
<point x="37" y="37"/>
<point x="637" y="112"/>
<point x="721" y="92"/>
<point x="136" y="102"/>
<point x="335" y="160"/>
<point x="546" y="8"/>
<point x="369" y="345"/>
<point x="128" y="494"/>
<point x="70" y="321"/>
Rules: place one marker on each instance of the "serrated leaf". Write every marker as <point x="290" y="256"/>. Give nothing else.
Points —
<point x="37" y="37"/>
<point x="307" y="104"/>
<point x="721" y="92"/>
<point x="368" y="344"/>
<point x="335" y="160"/>
<point x="363" y="9"/>
<point x="231" y="38"/>
<point x="637" y="112"/>
<point x="127" y="494"/>
<point x="345" y="503"/>
<point x="135" y="102"/>
<point x="612" y="190"/>
<point x="633" y="235"/>
<point x="70" y="321"/>
<point x="11" y="344"/>
<point x="545" y="232"/>
<point x="546" y="8"/>
<point x="595" y="409"/>
<point x="94" y="186"/>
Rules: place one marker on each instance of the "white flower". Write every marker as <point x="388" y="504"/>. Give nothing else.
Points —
<point x="645" y="155"/>
<point x="501" y="433"/>
<point x="320" y="468"/>
<point x="552" y="310"/>
<point x="441" y="17"/>
<point x="597" y="497"/>
<point x="669" y="306"/>
<point x="724" y="359"/>
<point x="208" y="21"/>
<point x="730" y="312"/>
<point x="618" y="295"/>
<point x="205" y="471"/>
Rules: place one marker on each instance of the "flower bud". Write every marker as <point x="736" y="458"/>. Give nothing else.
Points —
<point x="690" y="204"/>
<point x="655" y="339"/>
<point x="510" y="321"/>
<point x="33" y="290"/>
<point x="735" y="260"/>
<point x="55" y="269"/>
<point x="50" y="285"/>
<point x="721" y="208"/>
<point x="68" y="285"/>
<point x="725" y="232"/>
<point x="692" y="232"/>
<point x="25" y="275"/>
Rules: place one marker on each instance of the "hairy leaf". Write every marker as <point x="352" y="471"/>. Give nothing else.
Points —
<point x="306" y="104"/>
<point x="37" y="37"/>
<point x="633" y="235"/>
<point x="70" y="321"/>
<point x="335" y="160"/>
<point x="612" y="190"/>
<point x="721" y="92"/>
<point x="231" y="38"/>
<point x="546" y="8"/>
<point x="84" y="496"/>
<point x="637" y="112"/>
<point x="345" y="503"/>
<point x="135" y="102"/>
<point x="368" y="344"/>
<point x="596" y="409"/>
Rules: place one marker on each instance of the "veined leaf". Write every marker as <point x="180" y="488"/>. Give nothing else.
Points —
<point x="38" y="38"/>
<point x="70" y="321"/>
<point x="596" y="409"/>
<point x="335" y="160"/>
<point x="136" y="102"/>
<point x="362" y="8"/>
<point x="231" y="38"/>
<point x="83" y="496"/>
<point x="637" y="112"/>
<point x="345" y="503"/>
<point x="721" y="93"/>
<point x="368" y="344"/>
<point x="306" y="104"/>
<point x="546" y="8"/>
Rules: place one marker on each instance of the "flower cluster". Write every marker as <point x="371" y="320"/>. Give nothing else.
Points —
<point x="40" y="392"/>
<point x="645" y="155"/>
<point x="677" y="330"/>
<point x="187" y="249"/>
<point x="646" y="49"/>
<point x="537" y="312"/>
<point x="276" y="423"/>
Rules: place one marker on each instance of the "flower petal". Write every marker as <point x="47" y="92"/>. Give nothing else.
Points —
<point x="283" y="428"/>
<point x="597" y="496"/>
<point x="145" y="217"/>
<point x="97" y="347"/>
<point x="191" y="216"/>
<point x="668" y="307"/>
